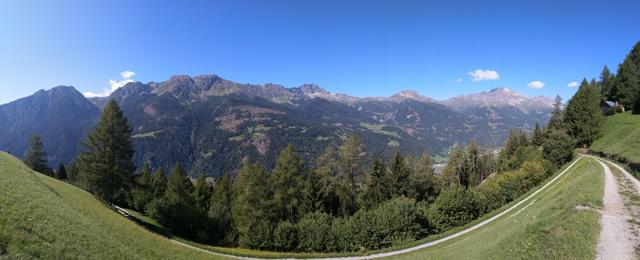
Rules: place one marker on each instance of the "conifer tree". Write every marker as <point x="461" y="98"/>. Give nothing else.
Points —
<point x="158" y="183"/>
<point x="61" y="173"/>
<point x="351" y="159"/>
<point x="288" y="182"/>
<point x="398" y="178"/>
<point x="220" y="207"/>
<point x="179" y="186"/>
<point x="36" y="156"/>
<point x="627" y="83"/>
<point x="252" y="208"/>
<point x="202" y="193"/>
<point x="583" y="118"/>
<point x="538" y="135"/>
<point x="605" y="83"/>
<point x="328" y="170"/>
<point x="144" y="176"/>
<point x="555" y="122"/>
<point x="376" y="188"/>
<point x="452" y="174"/>
<point x="107" y="156"/>
<point x="423" y="179"/>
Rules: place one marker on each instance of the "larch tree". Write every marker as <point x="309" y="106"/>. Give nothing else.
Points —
<point x="36" y="156"/>
<point x="202" y="193"/>
<point x="158" y="183"/>
<point x="252" y="208"/>
<point x="425" y="184"/>
<point x="179" y="186"/>
<point x="107" y="158"/>
<point x="351" y="160"/>
<point x="583" y="117"/>
<point x="555" y="122"/>
<point x="288" y="178"/>
<point x="375" y="188"/>
<point x="398" y="177"/>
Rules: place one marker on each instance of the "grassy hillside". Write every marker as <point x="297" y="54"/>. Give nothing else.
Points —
<point x="621" y="137"/>
<point x="549" y="228"/>
<point x="44" y="218"/>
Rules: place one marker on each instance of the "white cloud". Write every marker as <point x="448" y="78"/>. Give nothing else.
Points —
<point x="573" y="84"/>
<point x="458" y="80"/>
<point x="480" y="75"/>
<point x="127" y="76"/>
<point x="536" y="84"/>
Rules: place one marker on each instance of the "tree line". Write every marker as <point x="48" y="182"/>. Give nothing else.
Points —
<point x="348" y="200"/>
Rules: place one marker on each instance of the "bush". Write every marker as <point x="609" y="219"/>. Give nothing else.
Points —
<point x="180" y="218"/>
<point x="314" y="232"/>
<point x="454" y="207"/>
<point x="398" y="220"/>
<point x="558" y="148"/>
<point x="285" y="236"/>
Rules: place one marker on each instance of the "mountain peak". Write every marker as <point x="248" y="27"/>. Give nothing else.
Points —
<point x="500" y="90"/>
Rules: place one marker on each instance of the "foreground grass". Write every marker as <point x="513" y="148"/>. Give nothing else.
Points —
<point x="550" y="227"/>
<point x="621" y="137"/>
<point x="43" y="218"/>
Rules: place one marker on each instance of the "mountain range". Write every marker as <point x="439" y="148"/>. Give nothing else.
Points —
<point x="210" y="124"/>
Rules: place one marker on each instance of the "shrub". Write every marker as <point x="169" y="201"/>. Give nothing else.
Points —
<point x="285" y="236"/>
<point x="454" y="207"/>
<point x="314" y="232"/>
<point x="397" y="220"/>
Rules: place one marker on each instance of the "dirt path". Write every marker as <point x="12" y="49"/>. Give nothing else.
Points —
<point x="617" y="240"/>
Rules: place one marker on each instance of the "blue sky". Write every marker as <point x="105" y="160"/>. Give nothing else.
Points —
<point x="361" y="48"/>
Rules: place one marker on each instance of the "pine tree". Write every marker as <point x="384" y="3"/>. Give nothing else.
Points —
<point x="107" y="158"/>
<point x="328" y="170"/>
<point x="583" y="118"/>
<point x="452" y="175"/>
<point x="288" y="182"/>
<point x="627" y="83"/>
<point x="471" y="170"/>
<point x="179" y="186"/>
<point x="202" y="193"/>
<point x="351" y="159"/>
<point x="376" y="186"/>
<point x="423" y="179"/>
<point x="555" y="122"/>
<point x="61" y="173"/>
<point x="220" y="208"/>
<point x="144" y="176"/>
<point x="605" y="83"/>
<point x="158" y="183"/>
<point x="538" y="135"/>
<point x="36" y="156"/>
<point x="398" y="178"/>
<point x="252" y="208"/>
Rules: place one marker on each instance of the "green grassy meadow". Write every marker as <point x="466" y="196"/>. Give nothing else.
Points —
<point x="621" y="137"/>
<point x="43" y="218"/>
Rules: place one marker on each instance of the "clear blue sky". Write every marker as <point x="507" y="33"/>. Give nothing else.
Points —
<point x="361" y="48"/>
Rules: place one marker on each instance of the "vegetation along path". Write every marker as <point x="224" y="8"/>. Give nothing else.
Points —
<point x="526" y="201"/>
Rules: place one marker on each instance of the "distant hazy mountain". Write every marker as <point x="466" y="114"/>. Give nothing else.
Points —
<point x="59" y="115"/>
<point x="211" y="125"/>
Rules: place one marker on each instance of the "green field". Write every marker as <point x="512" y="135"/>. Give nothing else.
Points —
<point x="621" y="137"/>
<point x="549" y="228"/>
<point x="43" y="218"/>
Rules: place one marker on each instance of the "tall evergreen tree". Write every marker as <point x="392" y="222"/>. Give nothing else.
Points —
<point x="158" y="183"/>
<point x="179" y="186"/>
<point x="555" y="122"/>
<point x="252" y="210"/>
<point x="583" y="118"/>
<point x="423" y="179"/>
<point x="144" y="176"/>
<point x="61" y="173"/>
<point x="627" y="83"/>
<point x="538" y="135"/>
<point x="376" y="186"/>
<point x="107" y="157"/>
<point x="605" y="83"/>
<point x="36" y="156"/>
<point x="472" y="164"/>
<point x="202" y="193"/>
<point x="288" y="182"/>
<point x="220" y="209"/>
<point x="453" y="172"/>
<point x="398" y="178"/>
<point x="328" y="170"/>
<point x="351" y="159"/>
